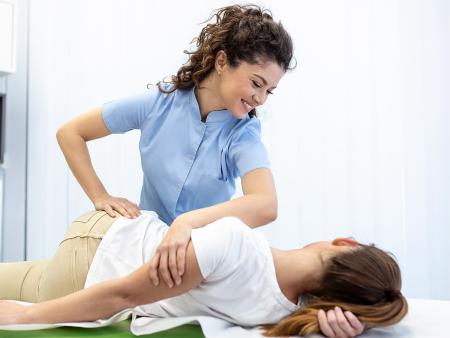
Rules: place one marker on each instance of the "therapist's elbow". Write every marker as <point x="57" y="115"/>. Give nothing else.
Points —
<point x="60" y="133"/>
<point x="269" y="211"/>
<point x="63" y="133"/>
<point x="66" y="135"/>
<point x="273" y="213"/>
<point x="61" y="137"/>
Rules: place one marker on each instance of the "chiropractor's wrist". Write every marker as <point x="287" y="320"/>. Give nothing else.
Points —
<point x="200" y="217"/>
<point x="186" y="219"/>
<point x="99" y="196"/>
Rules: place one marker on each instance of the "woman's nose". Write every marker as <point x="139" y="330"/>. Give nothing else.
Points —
<point x="256" y="100"/>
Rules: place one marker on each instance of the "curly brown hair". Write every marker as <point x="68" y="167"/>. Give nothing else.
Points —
<point x="245" y="33"/>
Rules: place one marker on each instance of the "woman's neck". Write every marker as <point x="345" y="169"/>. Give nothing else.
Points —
<point x="208" y="97"/>
<point x="298" y="271"/>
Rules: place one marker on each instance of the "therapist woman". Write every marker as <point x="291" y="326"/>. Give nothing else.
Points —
<point x="198" y="134"/>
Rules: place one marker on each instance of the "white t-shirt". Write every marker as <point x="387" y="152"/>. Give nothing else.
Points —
<point x="239" y="284"/>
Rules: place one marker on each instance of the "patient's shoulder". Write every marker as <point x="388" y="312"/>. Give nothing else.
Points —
<point x="218" y="244"/>
<point x="228" y="225"/>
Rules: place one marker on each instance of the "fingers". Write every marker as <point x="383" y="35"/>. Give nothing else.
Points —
<point x="153" y="269"/>
<point x="122" y="211"/>
<point x="110" y="211"/>
<point x="121" y="207"/>
<point x="344" y="324"/>
<point x="163" y="266"/>
<point x="323" y="324"/>
<point x="172" y="255"/>
<point x="131" y="208"/>
<point x="116" y="206"/>
<point x="173" y="265"/>
<point x="337" y="324"/>
<point x="354" y="322"/>
<point x="181" y="260"/>
<point x="170" y="264"/>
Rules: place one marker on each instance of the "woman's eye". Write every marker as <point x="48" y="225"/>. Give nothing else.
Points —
<point x="256" y="84"/>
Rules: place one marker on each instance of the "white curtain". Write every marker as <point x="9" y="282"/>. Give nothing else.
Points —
<point x="358" y="134"/>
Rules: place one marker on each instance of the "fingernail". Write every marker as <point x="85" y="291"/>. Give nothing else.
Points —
<point x="178" y="282"/>
<point x="170" y="285"/>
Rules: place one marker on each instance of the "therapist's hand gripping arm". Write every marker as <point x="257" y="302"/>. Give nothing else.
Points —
<point x="72" y="138"/>
<point x="103" y="300"/>
<point x="257" y="207"/>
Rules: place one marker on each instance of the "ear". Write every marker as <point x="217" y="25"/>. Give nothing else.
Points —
<point x="345" y="241"/>
<point x="221" y="61"/>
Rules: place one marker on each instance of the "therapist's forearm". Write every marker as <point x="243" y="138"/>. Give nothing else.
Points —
<point x="253" y="209"/>
<point x="76" y="153"/>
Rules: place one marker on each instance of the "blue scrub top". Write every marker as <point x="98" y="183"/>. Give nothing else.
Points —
<point x="187" y="164"/>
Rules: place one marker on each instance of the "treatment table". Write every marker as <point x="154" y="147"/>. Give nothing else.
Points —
<point x="426" y="319"/>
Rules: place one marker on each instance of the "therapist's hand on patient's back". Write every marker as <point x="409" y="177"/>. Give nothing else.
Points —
<point x="170" y="256"/>
<point x="336" y="323"/>
<point x="117" y="206"/>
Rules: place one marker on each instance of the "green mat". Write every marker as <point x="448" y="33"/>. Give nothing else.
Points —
<point x="117" y="330"/>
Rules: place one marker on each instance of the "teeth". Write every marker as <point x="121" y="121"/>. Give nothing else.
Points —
<point x="249" y="107"/>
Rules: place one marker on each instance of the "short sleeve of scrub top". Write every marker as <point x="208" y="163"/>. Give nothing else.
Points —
<point x="128" y="113"/>
<point x="187" y="164"/>
<point x="247" y="152"/>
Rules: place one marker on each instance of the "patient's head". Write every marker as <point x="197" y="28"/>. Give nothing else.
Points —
<point x="358" y="278"/>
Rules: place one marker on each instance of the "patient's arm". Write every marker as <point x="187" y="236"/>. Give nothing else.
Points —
<point x="107" y="298"/>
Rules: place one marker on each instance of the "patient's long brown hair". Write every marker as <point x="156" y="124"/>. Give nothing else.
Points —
<point x="365" y="281"/>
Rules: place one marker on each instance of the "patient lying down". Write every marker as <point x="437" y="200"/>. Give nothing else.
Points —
<point x="233" y="274"/>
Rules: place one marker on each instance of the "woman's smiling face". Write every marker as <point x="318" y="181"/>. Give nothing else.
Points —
<point x="246" y="86"/>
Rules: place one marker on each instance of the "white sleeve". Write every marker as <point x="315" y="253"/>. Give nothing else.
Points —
<point x="217" y="245"/>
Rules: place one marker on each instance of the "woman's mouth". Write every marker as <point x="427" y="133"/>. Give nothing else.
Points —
<point x="247" y="106"/>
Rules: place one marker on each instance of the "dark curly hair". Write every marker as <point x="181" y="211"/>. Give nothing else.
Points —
<point x="245" y="33"/>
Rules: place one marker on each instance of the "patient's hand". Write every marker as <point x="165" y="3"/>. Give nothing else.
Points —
<point x="116" y="206"/>
<point x="338" y="324"/>
<point x="11" y="313"/>
<point x="170" y="256"/>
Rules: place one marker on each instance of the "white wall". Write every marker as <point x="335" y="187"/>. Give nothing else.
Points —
<point x="358" y="134"/>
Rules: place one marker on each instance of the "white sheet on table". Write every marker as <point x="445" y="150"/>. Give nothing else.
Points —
<point x="426" y="318"/>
